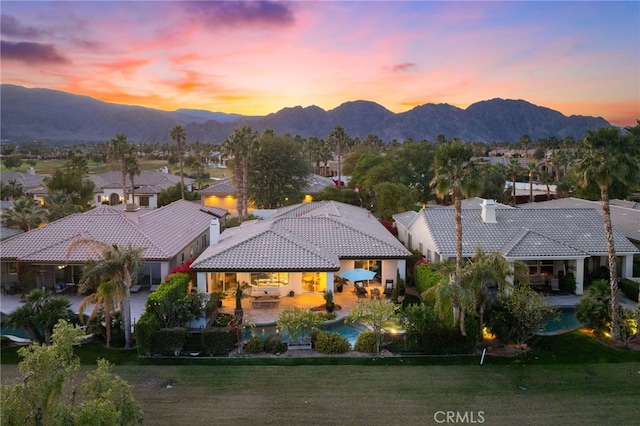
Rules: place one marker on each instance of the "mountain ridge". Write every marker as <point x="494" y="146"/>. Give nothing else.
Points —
<point x="46" y="114"/>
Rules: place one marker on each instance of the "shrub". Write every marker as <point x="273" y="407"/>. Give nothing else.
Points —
<point x="629" y="289"/>
<point x="254" y="346"/>
<point x="331" y="343"/>
<point x="328" y="298"/>
<point x="274" y="344"/>
<point x="594" y="307"/>
<point x="170" y="341"/>
<point x="218" y="341"/>
<point x="366" y="342"/>
<point x="567" y="283"/>
<point x="145" y="329"/>
<point x="441" y="339"/>
<point x="426" y="277"/>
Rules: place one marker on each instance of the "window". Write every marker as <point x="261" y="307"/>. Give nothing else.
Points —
<point x="270" y="279"/>
<point x="144" y="201"/>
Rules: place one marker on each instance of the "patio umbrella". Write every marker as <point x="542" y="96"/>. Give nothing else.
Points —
<point x="358" y="274"/>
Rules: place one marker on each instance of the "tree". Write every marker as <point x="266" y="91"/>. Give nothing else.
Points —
<point x="104" y="300"/>
<point x="392" y="198"/>
<point x="72" y="182"/>
<point x="376" y="314"/>
<point x="278" y="172"/>
<point x="179" y="135"/>
<point x="528" y="309"/>
<point x="12" y="190"/>
<point x="607" y="158"/>
<point x="60" y="204"/>
<point x="46" y="394"/>
<point x="531" y="168"/>
<point x="336" y="140"/>
<point x="513" y="170"/>
<point x="239" y="145"/>
<point x="39" y="314"/>
<point x="456" y="175"/>
<point x="317" y="151"/>
<point x="119" y="149"/>
<point x="26" y="214"/>
<point x="132" y="168"/>
<point x="114" y="263"/>
<point x="297" y="320"/>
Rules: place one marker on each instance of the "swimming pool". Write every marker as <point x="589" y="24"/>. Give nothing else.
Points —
<point x="347" y="329"/>
<point x="566" y="321"/>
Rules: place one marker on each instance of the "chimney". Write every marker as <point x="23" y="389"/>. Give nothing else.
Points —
<point x="131" y="212"/>
<point x="488" y="213"/>
<point x="31" y="171"/>
<point x="214" y="231"/>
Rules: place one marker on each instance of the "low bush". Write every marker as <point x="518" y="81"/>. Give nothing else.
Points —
<point x="274" y="344"/>
<point x="630" y="289"/>
<point x="170" y="341"/>
<point x="255" y="345"/>
<point x="145" y="331"/>
<point x="331" y="343"/>
<point x="218" y="341"/>
<point x="366" y="342"/>
<point x="567" y="283"/>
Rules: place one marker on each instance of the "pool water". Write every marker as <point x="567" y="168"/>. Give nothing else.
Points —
<point x="349" y="330"/>
<point x="566" y="321"/>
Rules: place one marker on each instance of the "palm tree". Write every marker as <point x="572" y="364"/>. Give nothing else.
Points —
<point x="12" y="190"/>
<point x="60" y="204"/>
<point x="456" y="175"/>
<point x="179" y="135"/>
<point x="531" y="168"/>
<point x="119" y="149"/>
<point x="608" y="159"/>
<point x="239" y="145"/>
<point x="104" y="299"/>
<point x="337" y="139"/>
<point x="26" y="214"/>
<point x="513" y="170"/>
<point x="40" y="314"/>
<point x="132" y="168"/>
<point x="115" y="263"/>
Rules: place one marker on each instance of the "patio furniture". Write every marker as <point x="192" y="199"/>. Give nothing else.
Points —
<point x="375" y="293"/>
<point x="265" y="302"/>
<point x="359" y="289"/>
<point x="135" y="288"/>
<point x="388" y="288"/>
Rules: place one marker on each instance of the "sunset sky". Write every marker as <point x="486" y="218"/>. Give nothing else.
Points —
<point x="255" y="58"/>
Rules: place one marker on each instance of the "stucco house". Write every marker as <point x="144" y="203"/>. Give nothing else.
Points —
<point x="300" y="248"/>
<point x="170" y="235"/>
<point x="549" y="241"/>
<point x="222" y="193"/>
<point x="32" y="183"/>
<point x="148" y="185"/>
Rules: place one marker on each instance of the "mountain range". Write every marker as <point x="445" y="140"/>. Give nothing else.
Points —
<point x="50" y="115"/>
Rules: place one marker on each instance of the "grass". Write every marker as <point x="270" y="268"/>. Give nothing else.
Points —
<point x="565" y="379"/>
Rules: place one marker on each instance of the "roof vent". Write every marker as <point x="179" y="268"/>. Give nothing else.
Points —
<point x="488" y="213"/>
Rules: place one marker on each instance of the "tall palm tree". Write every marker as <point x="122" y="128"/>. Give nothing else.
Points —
<point x="239" y="145"/>
<point x="532" y="168"/>
<point x="456" y="174"/>
<point x="107" y="295"/>
<point x="133" y="169"/>
<point x="607" y="158"/>
<point x="337" y="139"/>
<point x="119" y="149"/>
<point x="179" y="135"/>
<point x="116" y="263"/>
<point x="513" y="170"/>
<point x="26" y="214"/>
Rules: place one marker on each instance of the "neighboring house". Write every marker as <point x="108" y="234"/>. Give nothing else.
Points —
<point x="170" y="235"/>
<point x="32" y="184"/>
<point x="5" y="232"/>
<point x="550" y="241"/>
<point x="148" y="186"/>
<point x="222" y="193"/>
<point x="300" y="249"/>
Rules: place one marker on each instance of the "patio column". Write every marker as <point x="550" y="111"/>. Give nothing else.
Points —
<point x="627" y="266"/>
<point x="330" y="283"/>
<point x="202" y="282"/>
<point x="579" y="276"/>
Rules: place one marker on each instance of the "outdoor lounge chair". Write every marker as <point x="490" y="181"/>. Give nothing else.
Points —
<point x="359" y="289"/>
<point x="388" y="288"/>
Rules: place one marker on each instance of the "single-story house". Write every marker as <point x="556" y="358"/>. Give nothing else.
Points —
<point x="222" y="193"/>
<point x="171" y="236"/>
<point x="300" y="249"/>
<point x="32" y="183"/>
<point x="148" y="184"/>
<point x="549" y="241"/>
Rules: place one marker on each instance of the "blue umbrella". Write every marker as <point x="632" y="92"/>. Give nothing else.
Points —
<point x="358" y="274"/>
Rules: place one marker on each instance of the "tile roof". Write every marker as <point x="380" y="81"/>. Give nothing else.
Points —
<point x="162" y="232"/>
<point x="624" y="216"/>
<point x="308" y="236"/>
<point x="149" y="181"/>
<point x="226" y="186"/>
<point x="563" y="231"/>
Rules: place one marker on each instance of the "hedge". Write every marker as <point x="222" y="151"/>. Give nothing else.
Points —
<point x="218" y="341"/>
